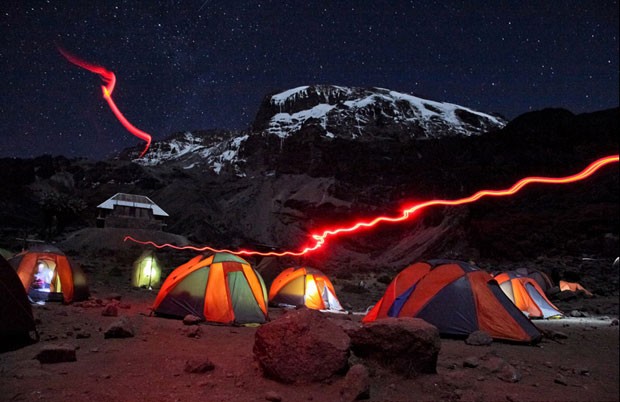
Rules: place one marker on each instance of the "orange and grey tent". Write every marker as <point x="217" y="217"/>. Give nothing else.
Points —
<point x="527" y="295"/>
<point x="541" y="278"/>
<point x="16" y="319"/>
<point x="47" y="274"/>
<point x="221" y="288"/>
<point x="304" y="287"/>
<point x="455" y="297"/>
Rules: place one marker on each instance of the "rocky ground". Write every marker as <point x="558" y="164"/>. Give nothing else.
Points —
<point x="166" y="360"/>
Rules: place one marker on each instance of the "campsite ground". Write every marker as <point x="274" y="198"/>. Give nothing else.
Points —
<point x="581" y="365"/>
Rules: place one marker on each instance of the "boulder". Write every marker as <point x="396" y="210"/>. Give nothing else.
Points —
<point x="408" y="346"/>
<point x="302" y="346"/>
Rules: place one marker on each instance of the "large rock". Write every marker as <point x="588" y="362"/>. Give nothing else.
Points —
<point x="302" y="346"/>
<point x="408" y="346"/>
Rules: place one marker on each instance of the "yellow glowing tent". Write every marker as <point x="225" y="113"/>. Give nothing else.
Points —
<point x="146" y="271"/>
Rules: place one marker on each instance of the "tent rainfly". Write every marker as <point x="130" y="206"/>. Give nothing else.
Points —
<point x="457" y="298"/>
<point x="219" y="288"/>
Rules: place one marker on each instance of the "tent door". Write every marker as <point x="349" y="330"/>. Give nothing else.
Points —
<point x="330" y="300"/>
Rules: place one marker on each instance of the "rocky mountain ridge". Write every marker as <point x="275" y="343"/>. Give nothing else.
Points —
<point x="367" y="114"/>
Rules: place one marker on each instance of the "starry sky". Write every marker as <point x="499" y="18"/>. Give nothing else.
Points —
<point x="204" y="64"/>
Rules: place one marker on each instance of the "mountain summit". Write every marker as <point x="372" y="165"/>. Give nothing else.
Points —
<point x="367" y="114"/>
<point x="323" y="113"/>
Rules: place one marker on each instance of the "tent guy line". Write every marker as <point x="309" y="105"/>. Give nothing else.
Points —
<point x="109" y="78"/>
<point x="321" y="239"/>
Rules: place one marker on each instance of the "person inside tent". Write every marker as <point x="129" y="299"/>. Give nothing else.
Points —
<point x="43" y="277"/>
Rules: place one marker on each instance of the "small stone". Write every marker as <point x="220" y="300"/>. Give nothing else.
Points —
<point x="202" y="366"/>
<point x="273" y="396"/>
<point x="509" y="373"/>
<point x="471" y="362"/>
<point x="122" y="328"/>
<point x="479" y="338"/>
<point x="191" y="320"/>
<point x="110" y="310"/>
<point x="584" y="372"/>
<point x="50" y="354"/>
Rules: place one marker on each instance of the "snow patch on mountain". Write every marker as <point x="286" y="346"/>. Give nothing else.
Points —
<point x="211" y="153"/>
<point x="283" y="123"/>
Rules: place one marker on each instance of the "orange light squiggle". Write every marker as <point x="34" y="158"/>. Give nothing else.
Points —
<point x="320" y="239"/>
<point x="109" y="79"/>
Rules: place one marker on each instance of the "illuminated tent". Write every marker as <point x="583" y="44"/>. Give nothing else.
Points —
<point x="220" y="288"/>
<point x="304" y="287"/>
<point x="16" y="320"/>
<point x="527" y="295"/>
<point x="47" y="274"/>
<point x="146" y="271"/>
<point x="455" y="297"/>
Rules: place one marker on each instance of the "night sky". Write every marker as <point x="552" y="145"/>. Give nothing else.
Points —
<point x="188" y="65"/>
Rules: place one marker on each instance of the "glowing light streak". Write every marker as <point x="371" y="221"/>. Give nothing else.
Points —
<point x="321" y="239"/>
<point x="109" y="78"/>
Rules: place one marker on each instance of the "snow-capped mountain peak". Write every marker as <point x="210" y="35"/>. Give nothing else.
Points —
<point x="327" y="111"/>
<point x="367" y="113"/>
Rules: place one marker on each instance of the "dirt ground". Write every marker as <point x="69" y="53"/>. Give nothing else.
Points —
<point x="150" y="366"/>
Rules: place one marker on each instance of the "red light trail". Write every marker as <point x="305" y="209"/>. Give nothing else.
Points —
<point x="109" y="79"/>
<point x="320" y="239"/>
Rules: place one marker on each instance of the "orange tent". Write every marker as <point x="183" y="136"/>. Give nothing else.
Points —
<point x="47" y="274"/>
<point x="574" y="287"/>
<point x="455" y="297"/>
<point x="304" y="286"/>
<point x="527" y="295"/>
<point x="221" y="288"/>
